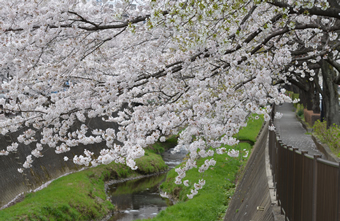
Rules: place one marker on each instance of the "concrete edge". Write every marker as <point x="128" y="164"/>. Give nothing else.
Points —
<point x="324" y="148"/>
<point x="276" y="209"/>
<point x="304" y="125"/>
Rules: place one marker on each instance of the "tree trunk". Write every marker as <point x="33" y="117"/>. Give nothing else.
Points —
<point x="316" y="102"/>
<point x="330" y="94"/>
<point x="316" y="95"/>
<point x="309" y="96"/>
<point x="302" y="96"/>
<point x="295" y="89"/>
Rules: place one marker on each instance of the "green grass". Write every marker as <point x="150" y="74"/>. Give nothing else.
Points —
<point x="160" y="147"/>
<point x="78" y="196"/>
<point x="212" y="201"/>
<point x="249" y="133"/>
<point x="81" y="195"/>
<point x="150" y="163"/>
<point x="329" y="136"/>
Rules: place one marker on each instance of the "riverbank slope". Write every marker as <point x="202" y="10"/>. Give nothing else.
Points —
<point x="81" y="195"/>
<point x="212" y="201"/>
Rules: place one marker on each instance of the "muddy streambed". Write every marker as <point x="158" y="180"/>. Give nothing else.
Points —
<point x="139" y="198"/>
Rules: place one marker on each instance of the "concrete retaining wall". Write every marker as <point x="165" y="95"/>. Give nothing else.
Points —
<point x="324" y="148"/>
<point x="252" y="199"/>
<point x="51" y="166"/>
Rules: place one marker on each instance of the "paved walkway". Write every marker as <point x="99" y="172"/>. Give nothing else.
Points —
<point x="291" y="131"/>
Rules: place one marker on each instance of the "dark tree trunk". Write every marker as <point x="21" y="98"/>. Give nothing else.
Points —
<point x="288" y="87"/>
<point x="316" y="102"/>
<point x="295" y="89"/>
<point x="306" y="97"/>
<point x="316" y="95"/>
<point x="330" y="94"/>
<point x="309" y="96"/>
<point x="302" y="96"/>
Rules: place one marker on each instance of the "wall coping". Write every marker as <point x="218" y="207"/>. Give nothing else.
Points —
<point x="324" y="148"/>
<point x="276" y="209"/>
<point x="304" y="125"/>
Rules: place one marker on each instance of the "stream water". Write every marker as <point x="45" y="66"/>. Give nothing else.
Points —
<point x="139" y="198"/>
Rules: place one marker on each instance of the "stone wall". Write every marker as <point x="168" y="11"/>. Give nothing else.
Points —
<point x="51" y="166"/>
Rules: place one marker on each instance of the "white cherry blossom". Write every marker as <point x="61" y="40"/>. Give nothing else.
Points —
<point x="165" y="68"/>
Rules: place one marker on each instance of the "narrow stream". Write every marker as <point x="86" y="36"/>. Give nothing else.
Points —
<point x="139" y="198"/>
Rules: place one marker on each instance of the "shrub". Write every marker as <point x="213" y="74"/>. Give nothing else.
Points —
<point x="300" y="113"/>
<point x="299" y="110"/>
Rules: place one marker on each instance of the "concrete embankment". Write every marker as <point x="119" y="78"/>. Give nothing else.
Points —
<point x="253" y="199"/>
<point x="52" y="165"/>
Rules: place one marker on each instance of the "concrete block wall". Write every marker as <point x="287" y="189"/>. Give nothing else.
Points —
<point x="49" y="167"/>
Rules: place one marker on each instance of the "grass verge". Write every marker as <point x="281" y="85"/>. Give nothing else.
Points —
<point x="212" y="201"/>
<point x="250" y="132"/>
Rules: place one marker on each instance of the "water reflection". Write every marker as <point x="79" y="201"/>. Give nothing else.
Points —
<point x="137" y="199"/>
<point x="140" y="199"/>
<point x="173" y="159"/>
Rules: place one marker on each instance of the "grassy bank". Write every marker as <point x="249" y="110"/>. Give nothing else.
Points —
<point x="250" y="132"/>
<point x="329" y="136"/>
<point x="81" y="195"/>
<point x="212" y="201"/>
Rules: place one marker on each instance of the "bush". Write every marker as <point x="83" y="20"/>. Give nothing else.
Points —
<point x="300" y="113"/>
<point x="299" y="110"/>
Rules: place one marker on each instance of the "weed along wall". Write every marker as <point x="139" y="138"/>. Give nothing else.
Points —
<point x="251" y="200"/>
<point x="50" y="166"/>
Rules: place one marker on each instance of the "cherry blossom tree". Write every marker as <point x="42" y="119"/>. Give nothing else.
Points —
<point x="197" y="66"/>
<point x="316" y="54"/>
